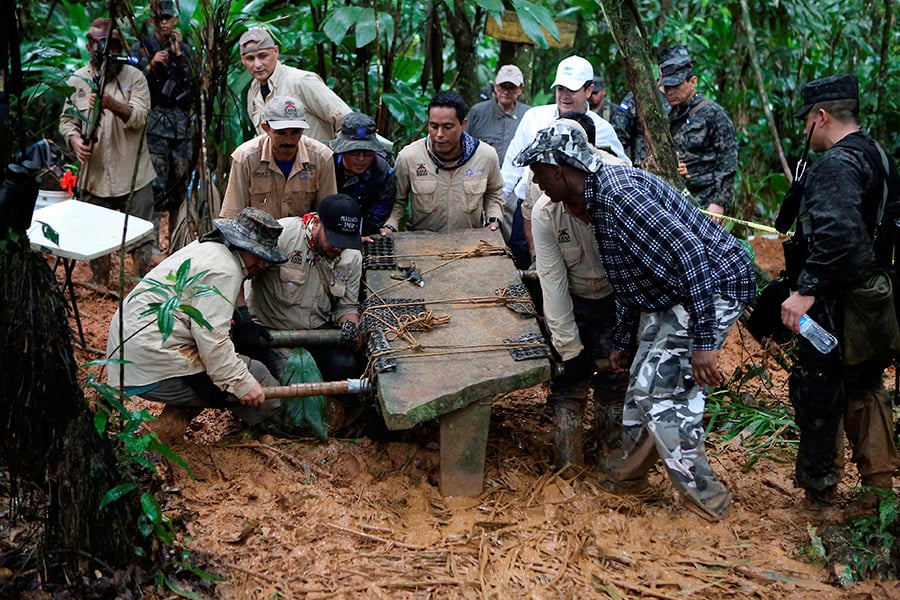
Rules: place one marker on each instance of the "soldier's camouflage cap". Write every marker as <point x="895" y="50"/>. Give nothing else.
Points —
<point x="563" y="143"/>
<point x="675" y="66"/>
<point x="834" y="87"/>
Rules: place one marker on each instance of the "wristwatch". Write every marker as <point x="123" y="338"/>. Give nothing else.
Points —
<point x="391" y="227"/>
<point x="493" y="220"/>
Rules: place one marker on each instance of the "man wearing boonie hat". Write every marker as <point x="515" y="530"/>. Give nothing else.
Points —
<point x="683" y="278"/>
<point x="282" y="172"/>
<point x="318" y="286"/>
<point x="363" y="172"/>
<point x="116" y="161"/>
<point x="572" y="86"/>
<point x="196" y="365"/>
<point x="495" y="120"/>
<point x="704" y="135"/>
<point x="272" y="78"/>
<point x="846" y="220"/>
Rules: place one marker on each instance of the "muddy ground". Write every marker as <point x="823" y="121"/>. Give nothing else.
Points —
<point x="362" y="517"/>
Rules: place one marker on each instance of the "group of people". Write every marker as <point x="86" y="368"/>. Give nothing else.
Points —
<point x="640" y="288"/>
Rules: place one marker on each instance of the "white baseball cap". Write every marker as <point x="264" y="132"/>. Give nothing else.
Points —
<point x="573" y="73"/>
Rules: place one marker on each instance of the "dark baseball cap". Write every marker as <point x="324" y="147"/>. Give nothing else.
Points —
<point x="341" y="216"/>
<point x="165" y="8"/>
<point x="834" y="87"/>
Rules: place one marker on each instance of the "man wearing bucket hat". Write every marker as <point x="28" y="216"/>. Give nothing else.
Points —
<point x="318" y="286"/>
<point x="683" y="278"/>
<point x="195" y="365"/>
<point x="704" y="135"/>
<point x="363" y="172"/>
<point x="850" y="199"/>
<point x="282" y="172"/>
<point x="494" y="121"/>
<point x="572" y="85"/>
<point x="116" y="161"/>
<point x="272" y="78"/>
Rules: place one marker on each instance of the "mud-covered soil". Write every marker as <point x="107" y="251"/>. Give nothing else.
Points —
<point x="363" y="518"/>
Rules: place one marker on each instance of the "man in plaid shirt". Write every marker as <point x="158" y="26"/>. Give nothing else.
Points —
<point x="680" y="282"/>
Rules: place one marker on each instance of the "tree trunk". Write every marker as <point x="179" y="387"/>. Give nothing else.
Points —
<point x="464" y="34"/>
<point x="48" y="437"/>
<point x="625" y="26"/>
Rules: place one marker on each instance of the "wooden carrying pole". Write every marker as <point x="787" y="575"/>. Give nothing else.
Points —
<point x="319" y="388"/>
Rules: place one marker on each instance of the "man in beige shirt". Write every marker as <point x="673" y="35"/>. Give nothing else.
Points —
<point x="197" y="366"/>
<point x="118" y="152"/>
<point x="272" y="78"/>
<point x="450" y="179"/>
<point x="580" y="312"/>
<point x="282" y="172"/>
<point x="318" y="286"/>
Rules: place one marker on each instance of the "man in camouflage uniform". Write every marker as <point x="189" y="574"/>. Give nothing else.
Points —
<point x="845" y="193"/>
<point x="703" y="132"/>
<point x="680" y="282"/>
<point x="165" y="59"/>
<point x="598" y="101"/>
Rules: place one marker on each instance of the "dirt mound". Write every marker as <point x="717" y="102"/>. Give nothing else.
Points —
<point x="363" y="517"/>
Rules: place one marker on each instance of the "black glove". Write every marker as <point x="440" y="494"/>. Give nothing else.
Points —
<point x="247" y="334"/>
<point x="580" y="366"/>
<point x="349" y="332"/>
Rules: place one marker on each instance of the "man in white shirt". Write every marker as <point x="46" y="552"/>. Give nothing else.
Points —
<point x="573" y="85"/>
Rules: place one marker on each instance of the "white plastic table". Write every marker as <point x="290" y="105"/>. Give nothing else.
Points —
<point x="86" y="231"/>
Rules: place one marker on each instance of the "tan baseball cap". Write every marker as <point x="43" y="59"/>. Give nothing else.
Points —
<point x="285" y="112"/>
<point x="510" y="74"/>
<point x="256" y="39"/>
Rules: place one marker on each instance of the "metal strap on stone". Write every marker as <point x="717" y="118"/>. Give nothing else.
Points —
<point x="528" y="347"/>
<point x="379" y="253"/>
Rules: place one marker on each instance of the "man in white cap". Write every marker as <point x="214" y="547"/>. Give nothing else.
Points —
<point x="573" y="85"/>
<point x="494" y="121"/>
<point x="194" y="365"/>
<point x="282" y="172"/>
<point x="272" y="78"/>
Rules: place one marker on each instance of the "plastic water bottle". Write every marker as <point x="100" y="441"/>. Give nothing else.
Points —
<point x="817" y="336"/>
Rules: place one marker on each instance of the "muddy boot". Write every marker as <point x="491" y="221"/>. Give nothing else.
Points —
<point x="172" y="423"/>
<point x="100" y="269"/>
<point x="568" y="430"/>
<point x="608" y="425"/>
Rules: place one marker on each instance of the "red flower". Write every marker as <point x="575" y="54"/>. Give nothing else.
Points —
<point x="68" y="181"/>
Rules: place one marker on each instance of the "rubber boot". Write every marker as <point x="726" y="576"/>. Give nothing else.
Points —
<point x="608" y="424"/>
<point x="568" y="431"/>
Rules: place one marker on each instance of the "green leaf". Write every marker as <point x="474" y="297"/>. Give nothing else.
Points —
<point x="116" y="493"/>
<point x="340" y="21"/>
<point x="165" y="319"/>
<point x="181" y="591"/>
<point x="150" y="507"/>
<point x="100" y="422"/>
<point x="365" y="28"/>
<point x="196" y="315"/>
<point x="48" y="232"/>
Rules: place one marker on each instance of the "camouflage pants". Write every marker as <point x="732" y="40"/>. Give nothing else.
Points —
<point x="664" y="405"/>
<point x="172" y="163"/>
